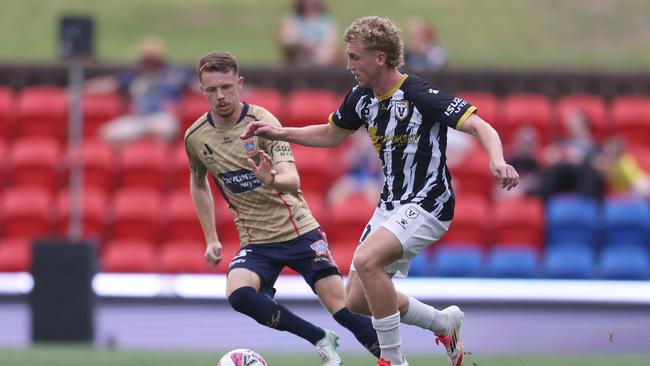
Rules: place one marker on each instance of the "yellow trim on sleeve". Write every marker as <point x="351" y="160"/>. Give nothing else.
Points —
<point x="465" y="116"/>
<point x="395" y="88"/>
<point x="331" y="122"/>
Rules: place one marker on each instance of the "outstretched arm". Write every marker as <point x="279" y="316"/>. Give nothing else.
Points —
<point x="503" y="172"/>
<point x="324" y="135"/>
<point x="202" y="199"/>
<point x="282" y="176"/>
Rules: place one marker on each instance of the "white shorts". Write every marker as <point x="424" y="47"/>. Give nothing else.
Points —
<point x="415" y="228"/>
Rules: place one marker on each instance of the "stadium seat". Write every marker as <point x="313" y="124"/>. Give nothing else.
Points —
<point x="268" y="98"/>
<point x="521" y="109"/>
<point x="642" y="156"/>
<point x="144" y="165"/>
<point x="181" y="220"/>
<point x="224" y="217"/>
<point x="26" y="212"/>
<point x="310" y="106"/>
<point x="569" y="261"/>
<point x="456" y="260"/>
<point x="229" y="249"/>
<point x="15" y="255"/>
<point x="317" y="206"/>
<point x="183" y="256"/>
<point x="473" y="175"/>
<point x="42" y="111"/>
<point x="94" y="216"/>
<point x="317" y="167"/>
<point x="35" y="161"/>
<point x="349" y="218"/>
<point x="519" y="220"/>
<point x="192" y="106"/>
<point x="99" y="109"/>
<point x="471" y="220"/>
<point x="631" y="118"/>
<point x="7" y="113"/>
<point x="572" y="219"/>
<point x="343" y="251"/>
<point x="512" y="261"/>
<point x="129" y="256"/>
<point x="98" y="162"/>
<point x="420" y="264"/>
<point x="180" y="168"/>
<point x="592" y="105"/>
<point x="487" y="104"/>
<point x="626" y="221"/>
<point x="136" y="214"/>
<point x="3" y="163"/>
<point x="625" y="262"/>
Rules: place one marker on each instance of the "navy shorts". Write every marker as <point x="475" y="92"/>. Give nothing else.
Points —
<point x="307" y="254"/>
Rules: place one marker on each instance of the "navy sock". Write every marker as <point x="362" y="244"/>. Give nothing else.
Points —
<point x="273" y="315"/>
<point x="361" y="327"/>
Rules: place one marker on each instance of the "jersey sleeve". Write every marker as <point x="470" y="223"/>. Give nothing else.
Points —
<point x="277" y="150"/>
<point x="346" y="117"/>
<point x="197" y="169"/>
<point x="445" y="108"/>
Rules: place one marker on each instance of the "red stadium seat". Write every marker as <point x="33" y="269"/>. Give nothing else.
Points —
<point x="183" y="257"/>
<point x="316" y="203"/>
<point x="180" y="168"/>
<point x="3" y="163"/>
<point x="192" y="106"/>
<point x="7" y="113"/>
<point x="94" y="205"/>
<point x="15" y="255"/>
<point x="631" y="119"/>
<point x="144" y="165"/>
<point x="42" y="111"/>
<point x="129" y="256"/>
<point x="317" y="167"/>
<point x="487" y="104"/>
<point x="310" y="106"/>
<point x="473" y="175"/>
<point x="519" y="221"/>
<point x="471" y="221"/>
<point x="26" y="212"/>
<point x="641" y="155"/>
<point x="137" y="214"/>
<point x="99" y="109"/>
<point x="527" y="110"/>
<point x="98" y="161"/>
<point x="181" y="220"/>
<point x="35" y="161"/>
<point x="229" y="249"/>
<point x="226" y="228"/>
<point x="270" y="99"/>
<point x="348" y="219"/>
<point x="592" y="105"/>
<point x="343" y="251"/>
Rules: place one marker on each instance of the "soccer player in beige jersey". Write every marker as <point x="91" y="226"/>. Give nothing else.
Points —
<point x="259" y="180"/>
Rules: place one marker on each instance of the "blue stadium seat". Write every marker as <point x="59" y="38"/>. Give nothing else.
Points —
<point x="420" y="264"/>
<point x="569" y="261"/>
<point x="625" y="262"/>
<point x="456" y="260"/>
<point x="571" y="219"/>
<point x="510" y="261"/>
<point x="626" y="221"/>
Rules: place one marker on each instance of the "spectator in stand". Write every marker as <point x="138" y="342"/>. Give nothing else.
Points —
<point x="424" y="52"/>
<point x="623" y="173"/>
<point x="362" y="174"/>
<point x="308" y="36"/>
<point x="523" y="153"/>
<point x="570" y="161"/>
<point x="154" y="88"/>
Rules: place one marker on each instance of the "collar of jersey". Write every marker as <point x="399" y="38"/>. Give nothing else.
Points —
<point x="395" y="88"/>
<point x="244" y="112"/>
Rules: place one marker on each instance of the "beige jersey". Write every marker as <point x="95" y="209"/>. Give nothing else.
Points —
<point x="262" y="214"/>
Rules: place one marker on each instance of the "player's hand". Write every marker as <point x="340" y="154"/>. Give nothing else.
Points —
<point x="505" y="174"/>
<point x="213" y="253"/>
<point x="261" y="129"/>
<point x="264" y="171"/>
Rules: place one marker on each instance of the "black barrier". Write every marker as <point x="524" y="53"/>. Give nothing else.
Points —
<point x="62" y="301"/>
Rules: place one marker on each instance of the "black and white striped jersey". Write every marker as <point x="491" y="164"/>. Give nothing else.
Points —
<point x="408" y="127"/>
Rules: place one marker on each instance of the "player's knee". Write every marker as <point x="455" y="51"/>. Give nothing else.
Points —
<point x="242" y="299"/>
<point x="356" y="305"/>
<point x="364" y="262"/>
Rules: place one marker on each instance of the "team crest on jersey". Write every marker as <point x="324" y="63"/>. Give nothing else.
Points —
<point x="321" y="250"/>
<point x="401" y="109"/>
<point x="250" y="146"/>
<point x="411" y="213"/>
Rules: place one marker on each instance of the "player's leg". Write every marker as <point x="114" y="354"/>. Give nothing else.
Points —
<point x="331" y="294"/>
<point x="249" y="288"/>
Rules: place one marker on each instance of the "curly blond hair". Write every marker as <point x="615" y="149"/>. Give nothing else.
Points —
<point x="378" y="34"/>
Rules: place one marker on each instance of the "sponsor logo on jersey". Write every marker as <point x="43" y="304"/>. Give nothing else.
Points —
<point x="240" y="181"/>
<point x="401" y="109"/>
<point x="208" y="154"/>
<point x="455" y="106"/>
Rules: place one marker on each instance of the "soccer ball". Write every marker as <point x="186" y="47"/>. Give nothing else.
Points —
<point x="242" y="357"/>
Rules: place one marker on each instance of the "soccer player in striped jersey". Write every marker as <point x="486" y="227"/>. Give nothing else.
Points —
<point x="407" y="120"/>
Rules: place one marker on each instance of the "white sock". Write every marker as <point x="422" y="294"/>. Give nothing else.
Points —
<point x="389" y="339"/>
<point x="426" y="317"/>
